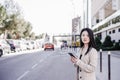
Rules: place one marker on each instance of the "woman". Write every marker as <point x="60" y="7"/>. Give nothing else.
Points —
<point x="87" y="62"/>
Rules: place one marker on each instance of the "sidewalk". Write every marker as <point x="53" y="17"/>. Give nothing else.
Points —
<point x="104" y="74"/>
<point x="115" y="68"/>
<point x="21" y="52"/>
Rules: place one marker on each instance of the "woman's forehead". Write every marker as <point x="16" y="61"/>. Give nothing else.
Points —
<point x="84" y="32"/>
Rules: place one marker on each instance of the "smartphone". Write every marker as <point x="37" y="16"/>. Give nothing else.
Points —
<point x="71" y="54"/>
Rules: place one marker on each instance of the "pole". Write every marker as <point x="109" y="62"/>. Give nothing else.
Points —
<point x="100" y="60"/>
<point x="109" y="66"/>
<point x="87" y="24"/>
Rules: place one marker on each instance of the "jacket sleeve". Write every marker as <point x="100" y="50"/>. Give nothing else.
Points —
<point x="92" y="63"/>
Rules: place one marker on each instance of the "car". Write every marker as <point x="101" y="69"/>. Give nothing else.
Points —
<point x="48" y="46"/>
<point x="1" y="51"/>
<point x="4" y="47"/>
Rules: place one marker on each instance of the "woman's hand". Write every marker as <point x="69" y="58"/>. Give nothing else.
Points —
<point x="73" y="59"/>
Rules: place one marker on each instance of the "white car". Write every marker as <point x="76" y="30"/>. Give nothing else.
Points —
<point x="4" y="47"/>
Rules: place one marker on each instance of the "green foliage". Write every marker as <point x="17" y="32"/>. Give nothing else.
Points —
<point x="3" y="15"/>
<point x="117" y="46"/>
<point x="9" y="36"/>
<point x="40" y="36"/>
<point x="107" y="42"/>
<point x="14" y="22"/>
<point x="98" y="43"/>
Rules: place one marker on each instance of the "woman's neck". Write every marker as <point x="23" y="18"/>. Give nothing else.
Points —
<point x="85" y="45"/>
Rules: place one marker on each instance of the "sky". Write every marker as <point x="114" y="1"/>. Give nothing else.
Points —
<point x="50" y="16"/>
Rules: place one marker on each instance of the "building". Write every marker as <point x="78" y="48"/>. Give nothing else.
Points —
<point x="105" y="19"/>
<point x="76" y="25"/>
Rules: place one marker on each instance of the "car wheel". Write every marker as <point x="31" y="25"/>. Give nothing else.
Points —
<point x="1" y="52"/>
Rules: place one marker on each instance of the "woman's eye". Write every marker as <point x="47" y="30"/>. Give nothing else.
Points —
<point x="83" y="35"/>
<point x="87" y="35"/>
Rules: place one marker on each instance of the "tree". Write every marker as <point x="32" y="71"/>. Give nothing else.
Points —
<point x="40" y="36"/>
<point x="117" y="46"/>
<point x="32" y="36"/>
<point x="98" y="43"/>
<point x="3" y="15"/>
<point x="107" y="42"/>
<point x="28" y="29"/>
<point x="11" y="20"/>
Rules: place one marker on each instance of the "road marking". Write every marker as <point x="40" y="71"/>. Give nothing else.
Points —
<point x="34" y="66"/>
<point x="23" y="75"/>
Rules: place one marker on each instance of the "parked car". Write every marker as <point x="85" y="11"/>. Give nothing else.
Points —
<point x="23" y="45"/>
<point x="29" y="45"/>
<point x="4" y="47"/>
<point x="1" y="51"/>
<point x="48" y="46"/>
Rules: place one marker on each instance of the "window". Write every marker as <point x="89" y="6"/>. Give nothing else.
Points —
<point x="97" y="21"/>
<point x="99" y="35"/>
<point x="113" y="31"/>
<point x="119" y="30"/>
<point x="109" y="32"/>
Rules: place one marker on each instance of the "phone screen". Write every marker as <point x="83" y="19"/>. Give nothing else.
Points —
<point x="71" y="54"/>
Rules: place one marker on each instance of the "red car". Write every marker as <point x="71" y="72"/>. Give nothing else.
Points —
<point x="48" y="46"/>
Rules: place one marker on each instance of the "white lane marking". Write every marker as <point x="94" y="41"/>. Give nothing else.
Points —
<point x="23" y="75"/>
<point x="34" y="66"/>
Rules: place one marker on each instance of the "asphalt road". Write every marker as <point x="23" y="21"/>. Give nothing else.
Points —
<point x="50" y="65"/>
<point x="41" y="65"/>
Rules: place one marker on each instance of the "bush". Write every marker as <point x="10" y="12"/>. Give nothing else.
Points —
<point x="117" y="46"/>
<point x="98" y="43"/>
<point x="107" y="42"/>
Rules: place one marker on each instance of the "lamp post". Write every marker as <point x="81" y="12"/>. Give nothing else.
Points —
<point x="86" y="12"/>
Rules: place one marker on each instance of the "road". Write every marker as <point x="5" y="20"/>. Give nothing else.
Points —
<point x="41" y="65"/>
<point x="51" y="65"/>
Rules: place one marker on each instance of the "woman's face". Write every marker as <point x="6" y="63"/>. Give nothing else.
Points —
<point x="85" y="37"/>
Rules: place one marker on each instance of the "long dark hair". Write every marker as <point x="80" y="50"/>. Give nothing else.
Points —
<point x="91" y="44"/>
